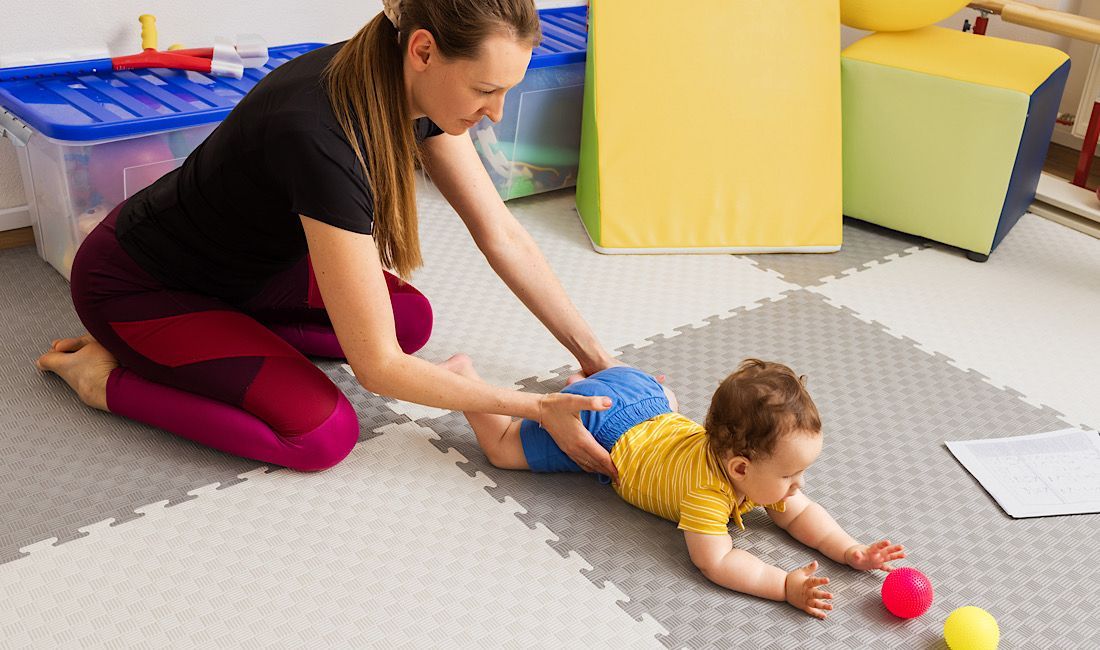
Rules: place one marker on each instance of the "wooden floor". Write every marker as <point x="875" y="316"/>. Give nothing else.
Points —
<point x="17" y="237"/>
<point x="1061" y="161"/>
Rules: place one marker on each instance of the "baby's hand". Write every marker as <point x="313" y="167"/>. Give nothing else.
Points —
<point x="803" y="593"/>
<point x="875" y="556"/>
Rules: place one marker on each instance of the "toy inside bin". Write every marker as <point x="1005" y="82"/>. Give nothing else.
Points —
<point x="87" y="141"/>
<point x="536" y="145"/>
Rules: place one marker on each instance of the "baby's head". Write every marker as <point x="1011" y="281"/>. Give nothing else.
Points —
<point x="764" y="429"/>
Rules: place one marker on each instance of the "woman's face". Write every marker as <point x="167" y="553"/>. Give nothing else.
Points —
<point x="457" y="93"/>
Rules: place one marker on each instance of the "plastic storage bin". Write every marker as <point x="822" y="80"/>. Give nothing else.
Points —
<point x="87" y="141"/>
<point x="536" y="145"/>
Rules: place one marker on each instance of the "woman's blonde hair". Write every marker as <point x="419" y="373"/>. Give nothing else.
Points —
<point x="365" y="84"/>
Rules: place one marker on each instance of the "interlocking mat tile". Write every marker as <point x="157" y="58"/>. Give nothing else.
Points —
<point x="864" y="243"/>
<point x="393" y="547"/>
<point x="1026" y="319"/>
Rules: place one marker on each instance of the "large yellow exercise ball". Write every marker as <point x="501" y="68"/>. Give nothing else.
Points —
<point x="896" y="15"/>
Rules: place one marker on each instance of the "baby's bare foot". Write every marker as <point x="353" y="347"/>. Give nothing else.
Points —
<point x="460" y="364"/>
<point x="84" y="364"/>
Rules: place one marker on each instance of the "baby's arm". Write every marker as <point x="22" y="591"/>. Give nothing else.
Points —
<point x="810" y="524"/>
<point x="742" y="571"/>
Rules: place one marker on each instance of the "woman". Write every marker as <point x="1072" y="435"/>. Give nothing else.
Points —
<point x="203" y="292"/>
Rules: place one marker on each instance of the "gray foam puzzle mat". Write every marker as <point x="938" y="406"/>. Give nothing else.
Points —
<point x="90" y="555"/>
<point x="886" y="405"/>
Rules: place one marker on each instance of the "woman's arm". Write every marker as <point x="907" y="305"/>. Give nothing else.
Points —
<point x="455" y="168"/>
<point x="349" y="275"/>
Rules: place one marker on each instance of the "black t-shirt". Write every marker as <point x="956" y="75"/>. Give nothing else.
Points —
<point x="227" y="219"/>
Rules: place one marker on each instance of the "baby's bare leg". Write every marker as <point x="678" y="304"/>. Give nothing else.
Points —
<point x="498" y="435"/>
<point x="673" y="403"/>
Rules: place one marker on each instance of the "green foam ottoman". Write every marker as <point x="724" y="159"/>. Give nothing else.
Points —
<point x="945" y="132"/>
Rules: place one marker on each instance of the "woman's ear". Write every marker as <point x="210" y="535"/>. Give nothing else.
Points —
<point x="422" y="48"/>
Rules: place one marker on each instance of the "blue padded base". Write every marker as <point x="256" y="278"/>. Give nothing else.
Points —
<point x="1038" y="129"/>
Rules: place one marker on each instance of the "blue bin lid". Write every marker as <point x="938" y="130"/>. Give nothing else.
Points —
<point x="85" y="101"/>
<point x="66" y="101"/>
<point x="564" y="37"/>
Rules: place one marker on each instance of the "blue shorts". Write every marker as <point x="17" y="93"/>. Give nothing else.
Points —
<point x="635" y="397"/>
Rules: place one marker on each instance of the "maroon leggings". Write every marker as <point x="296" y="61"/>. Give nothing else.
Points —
<point x="232" y="377"/>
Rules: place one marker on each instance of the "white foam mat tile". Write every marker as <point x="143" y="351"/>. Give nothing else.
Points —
<point x="410" y="410"/>
<point x="625" y="298"/>
<point x="1027" y="319"/>
<point x="396" y="546"/>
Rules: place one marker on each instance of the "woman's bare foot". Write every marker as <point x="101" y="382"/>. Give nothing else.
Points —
<point x="84" y="364"/>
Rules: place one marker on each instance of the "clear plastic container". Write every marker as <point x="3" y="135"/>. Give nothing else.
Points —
<point x="536" y="145"/>
<point x="87" y="136"/>
<point x="71" y="186"/>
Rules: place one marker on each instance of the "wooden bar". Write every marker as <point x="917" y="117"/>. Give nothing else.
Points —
<point x="1047" y="20"/>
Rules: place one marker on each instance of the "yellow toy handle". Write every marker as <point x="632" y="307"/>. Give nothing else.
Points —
<point x="148" y="31"/>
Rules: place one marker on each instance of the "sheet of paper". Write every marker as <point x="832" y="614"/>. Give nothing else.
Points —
<point x="1056" y="473"/>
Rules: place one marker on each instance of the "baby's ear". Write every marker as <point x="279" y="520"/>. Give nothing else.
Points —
<point x="737" y="466"/>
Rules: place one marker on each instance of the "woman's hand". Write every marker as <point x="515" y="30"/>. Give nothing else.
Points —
<point x="603" y="363"/>
<point x="875" y="556"/>
<point x="559" y="414"/>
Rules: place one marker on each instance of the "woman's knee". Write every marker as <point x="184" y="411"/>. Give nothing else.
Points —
<point x="412" y="315"/>
<point x="314" y="421"/>
<point x="328" y="444"/>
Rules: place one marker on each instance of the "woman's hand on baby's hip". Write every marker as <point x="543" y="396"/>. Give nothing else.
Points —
<point x="560" y="416"/>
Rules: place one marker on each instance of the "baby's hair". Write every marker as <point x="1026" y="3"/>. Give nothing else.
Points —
<point x="757" y="405"/>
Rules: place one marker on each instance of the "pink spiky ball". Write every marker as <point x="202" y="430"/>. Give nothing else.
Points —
<point x="907" y="593"/>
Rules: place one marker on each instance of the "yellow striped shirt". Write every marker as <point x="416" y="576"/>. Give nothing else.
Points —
<point x="666" y="468"/>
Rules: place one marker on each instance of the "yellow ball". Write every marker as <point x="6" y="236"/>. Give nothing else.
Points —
<point x="971" y="628"/>
<point x="896" y="15"/>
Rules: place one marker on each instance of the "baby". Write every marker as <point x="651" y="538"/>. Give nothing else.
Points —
<point x="761" y="434"/>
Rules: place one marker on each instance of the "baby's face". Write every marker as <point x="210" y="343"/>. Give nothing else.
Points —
<point x="776" y="477"/>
